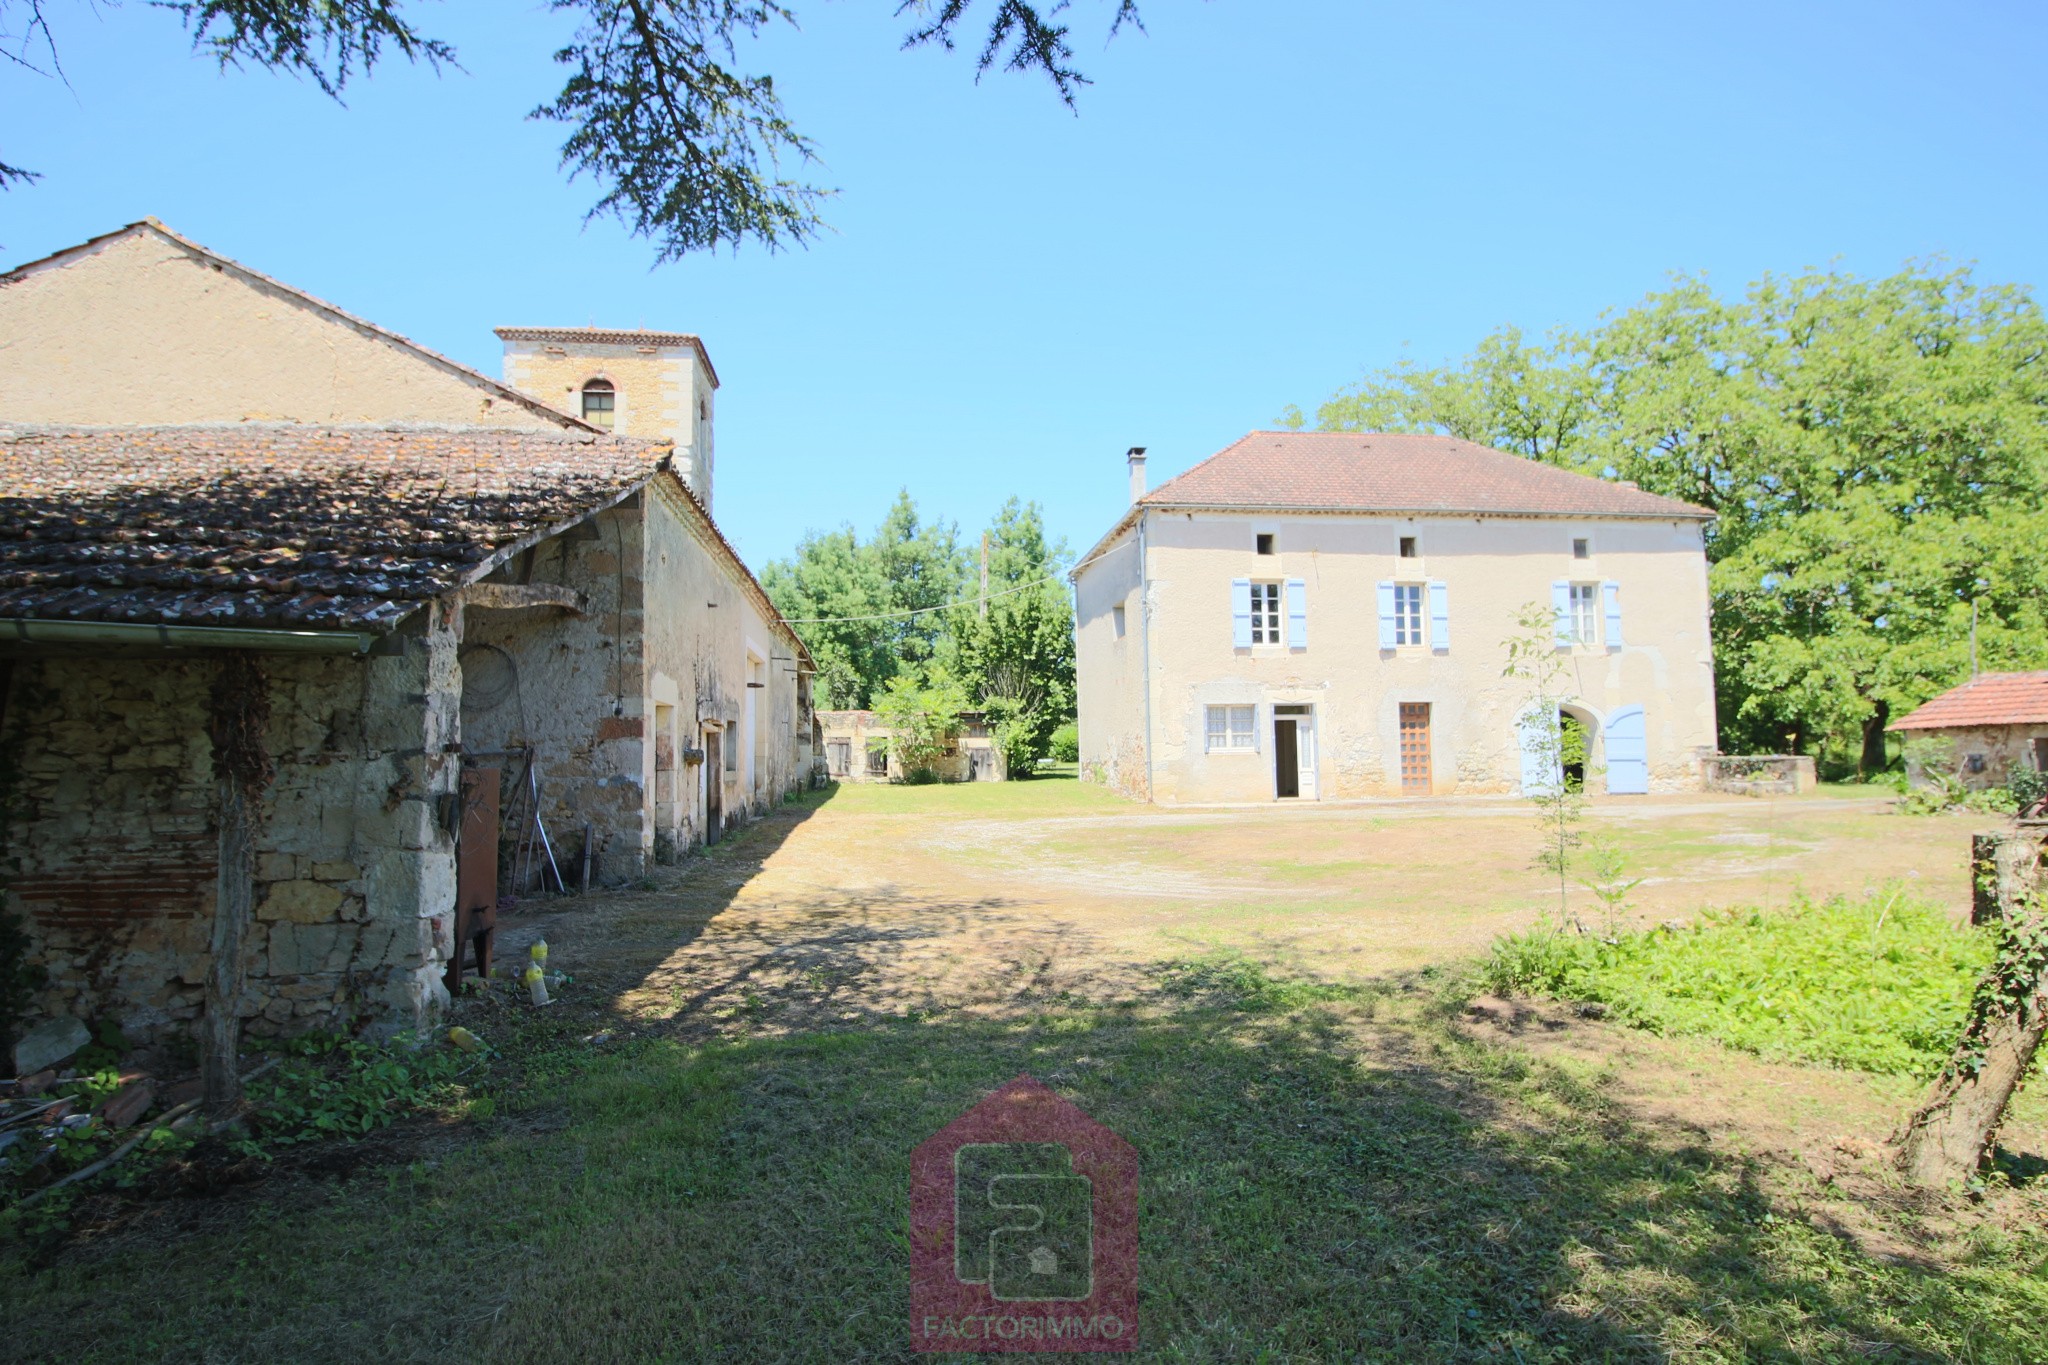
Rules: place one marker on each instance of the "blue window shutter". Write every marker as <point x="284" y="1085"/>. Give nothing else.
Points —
<point x="1439" y="616"/>
<point x="1297" y="614"/>
<point x="1610" y="600"/>
<point x="1387" y="614"/>
<point x="1241" y="613"/>
<point x="1628" y="752"/>
<point x="1561" y="604"/>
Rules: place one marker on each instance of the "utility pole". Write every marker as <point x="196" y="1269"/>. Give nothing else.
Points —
<point x="984" y="577"/>
<point x="1973" y="634"/>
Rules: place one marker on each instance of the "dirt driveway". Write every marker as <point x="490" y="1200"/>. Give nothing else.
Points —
<point x="907" y="899"/>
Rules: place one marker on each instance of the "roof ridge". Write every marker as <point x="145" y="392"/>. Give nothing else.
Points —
<point x="318" y="304"/>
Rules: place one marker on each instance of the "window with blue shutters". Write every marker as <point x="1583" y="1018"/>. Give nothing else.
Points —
<point x="1439" y="617"/>
<point x="1297" y="614"/>
<point x="1386" y="605"/>
<point x="1610" y="597"/>
<point x="1241" y="613"/>
<point x="1407" y="614"/>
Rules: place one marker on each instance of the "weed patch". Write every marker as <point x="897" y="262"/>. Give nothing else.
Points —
<point x="1879" y="983"/>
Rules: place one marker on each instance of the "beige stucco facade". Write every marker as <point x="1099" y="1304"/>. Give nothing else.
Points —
<point x="662" y="385"/>
<point x="142" y="327"/>
<point x="1156" y="649"/>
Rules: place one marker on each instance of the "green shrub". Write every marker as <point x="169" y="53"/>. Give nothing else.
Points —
<point x="1877" y="984"/>
<point x="1066" y="743"/>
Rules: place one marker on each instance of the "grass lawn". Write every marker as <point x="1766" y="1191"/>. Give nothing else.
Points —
<point x="1332" y="1170"/>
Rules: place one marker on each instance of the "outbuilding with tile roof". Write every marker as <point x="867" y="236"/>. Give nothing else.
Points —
<point x="1979" y="732"/>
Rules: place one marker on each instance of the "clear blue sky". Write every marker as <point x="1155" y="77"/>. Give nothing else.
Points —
<point x="1259" y="200"/>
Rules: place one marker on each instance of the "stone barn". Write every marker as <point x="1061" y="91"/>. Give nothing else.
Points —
<point x="437" y="576"/>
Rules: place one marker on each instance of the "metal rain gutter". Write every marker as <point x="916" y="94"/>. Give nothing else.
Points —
<point x="187" y="637"/>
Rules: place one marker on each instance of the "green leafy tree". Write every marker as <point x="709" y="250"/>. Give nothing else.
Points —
<point x="923" y="717"/>
<point x="1014" y="652"/>
<point x="1876" y="451"/>
<point x="685" y="148"/>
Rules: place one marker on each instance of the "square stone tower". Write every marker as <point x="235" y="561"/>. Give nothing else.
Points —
<point x="629" y="383"/>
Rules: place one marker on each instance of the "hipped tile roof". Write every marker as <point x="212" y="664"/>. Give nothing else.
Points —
<point x="300" y="527"/>
<point x="1382" y="472"/>
<point x="1993" y="699"/>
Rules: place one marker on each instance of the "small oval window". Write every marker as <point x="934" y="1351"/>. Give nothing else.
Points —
<point x="598" y="402"/>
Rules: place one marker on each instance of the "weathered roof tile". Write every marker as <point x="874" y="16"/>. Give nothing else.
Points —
<point x="306" y="527"/>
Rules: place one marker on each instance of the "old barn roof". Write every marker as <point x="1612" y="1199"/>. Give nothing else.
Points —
<point x="299" y="527"/>
<point x="1343" y="471"/>
<point x="1994" y="699"/>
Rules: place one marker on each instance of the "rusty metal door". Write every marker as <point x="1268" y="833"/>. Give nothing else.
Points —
<point x="476" y="874"/>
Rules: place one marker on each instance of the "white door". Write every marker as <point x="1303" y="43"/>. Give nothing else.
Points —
<point x="1305" y="751"/>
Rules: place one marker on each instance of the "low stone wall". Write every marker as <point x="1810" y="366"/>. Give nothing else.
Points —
<point x="1760" y="774"/>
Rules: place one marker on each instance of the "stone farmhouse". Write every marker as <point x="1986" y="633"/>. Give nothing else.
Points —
<point x="501" y="643"/>
<point x="1323" y="616"/>
<point x="1983" y="729"/>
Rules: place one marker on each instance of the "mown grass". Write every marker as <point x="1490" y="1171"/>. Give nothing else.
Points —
<point x="1319" y="1184"/>
<point x="1876" y="983"/>
<point x="1058" y="792"/>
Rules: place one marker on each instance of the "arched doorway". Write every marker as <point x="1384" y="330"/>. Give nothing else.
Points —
<point x="1578" y="728"/>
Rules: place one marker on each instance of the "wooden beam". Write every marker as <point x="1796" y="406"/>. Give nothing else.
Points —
<point x="508" y="595"/>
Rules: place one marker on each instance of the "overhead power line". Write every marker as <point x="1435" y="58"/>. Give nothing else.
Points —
<point x="950" y="606"/>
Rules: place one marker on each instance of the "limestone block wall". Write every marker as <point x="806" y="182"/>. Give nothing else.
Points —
<point x="658" y="391"/>
<point x="110" y="845"/>
<point x="1982" y="755"/>
<point x="573" y="688"/>
<point x="142" y="330"/>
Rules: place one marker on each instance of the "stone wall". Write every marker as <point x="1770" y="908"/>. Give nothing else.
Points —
<point x="110" y="842"/>
<point x="1760" y="774"/>
<point x="571" y="687"/>
<point x="1982" y="756"/>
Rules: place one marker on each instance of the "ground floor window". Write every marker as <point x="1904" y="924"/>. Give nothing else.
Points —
<point x="1230" y="727"/>
<point x="878" y="758"/>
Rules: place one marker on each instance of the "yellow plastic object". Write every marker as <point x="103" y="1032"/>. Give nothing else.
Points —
<point x="537" y="984"/>
<point x="465" y="1040"/>
<point x="539" y="952"/>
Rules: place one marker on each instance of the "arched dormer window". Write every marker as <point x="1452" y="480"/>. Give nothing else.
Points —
<point x="598" y="401"/>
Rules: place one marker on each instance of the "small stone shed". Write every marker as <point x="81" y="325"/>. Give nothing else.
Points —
<point x="369" y="572"/>
<point x="856" y="749"/>
<point x="1990" y="725"/>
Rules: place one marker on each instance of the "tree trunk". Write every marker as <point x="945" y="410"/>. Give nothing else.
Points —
<point x="241" y="767"/>
<point x="1874" y="757"/>
<point x="1953" y="1130"/>
<point x="2004" y="869"/>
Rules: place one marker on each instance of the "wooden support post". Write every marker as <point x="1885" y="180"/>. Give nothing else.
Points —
<point x="241" y="768"/>
<point x="2003" y="868"/>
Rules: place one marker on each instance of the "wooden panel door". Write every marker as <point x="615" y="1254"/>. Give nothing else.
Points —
<point x="1415" y="774"/>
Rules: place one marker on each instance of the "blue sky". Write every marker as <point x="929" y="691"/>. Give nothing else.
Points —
<point x="1259" y="200"/>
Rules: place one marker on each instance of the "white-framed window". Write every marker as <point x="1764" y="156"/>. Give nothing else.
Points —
<point x="1229" y="727"/>
<point x="1266" y="614"/>
<point x="1585" y="618"/>
<point x="1408" y="614"/>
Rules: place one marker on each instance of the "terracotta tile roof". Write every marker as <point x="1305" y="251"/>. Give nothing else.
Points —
<point x="1380" y="472"/>
<point x="1993" y="699"/>
<point x="306" y="527"/>
<point x="481" y="380"/>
